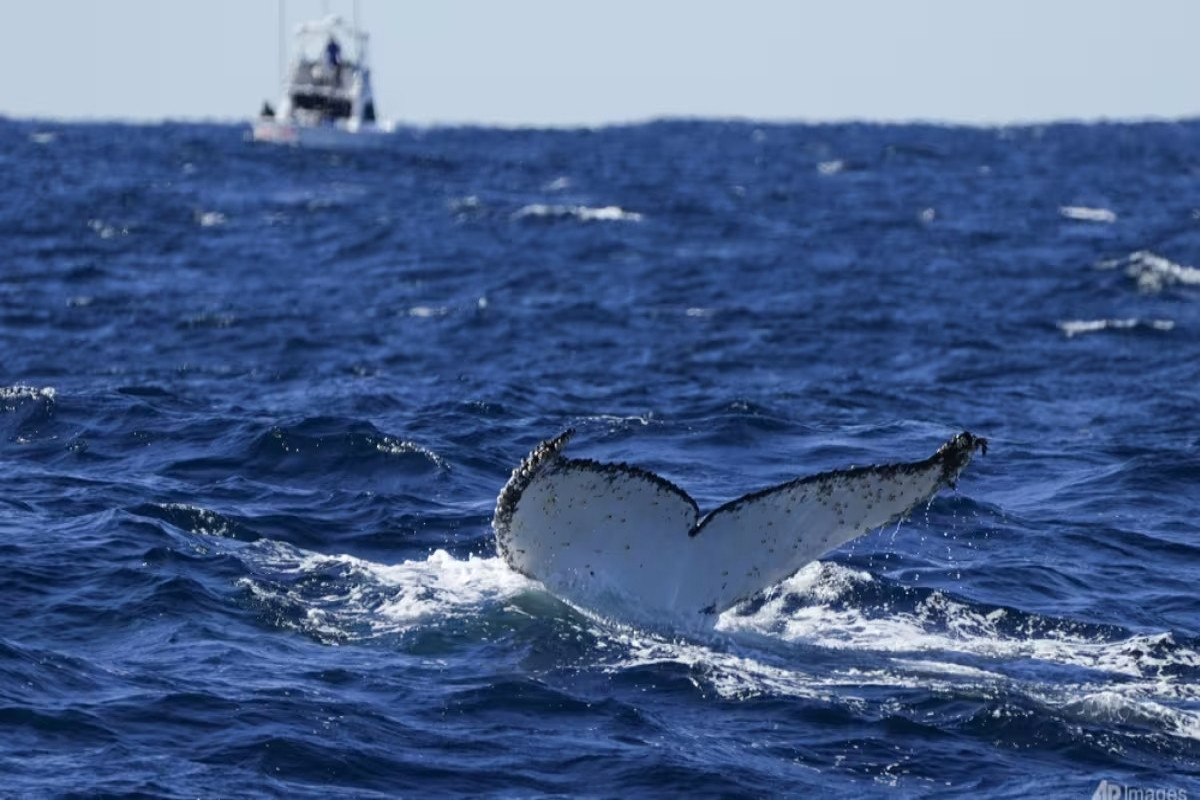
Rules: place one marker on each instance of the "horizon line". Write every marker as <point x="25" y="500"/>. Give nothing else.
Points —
<point x="948" y="122"/>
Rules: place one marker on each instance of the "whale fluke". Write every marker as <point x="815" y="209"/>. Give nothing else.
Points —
<point x="618" y="538"/>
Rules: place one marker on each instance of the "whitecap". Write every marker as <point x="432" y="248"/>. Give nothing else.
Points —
<point x="1152" y="272"/>
<point x="581" y="213"/>
<point x="106" y="230"/>
<point x="462" y="205"/>
<point x="1077" y="327"/>
<point x="1110" y="707"/>
<point x="1088" y="214"/>
<point x="428" y="311"/>
<point x="618" y="420"/>
<point x="13" y="396"/>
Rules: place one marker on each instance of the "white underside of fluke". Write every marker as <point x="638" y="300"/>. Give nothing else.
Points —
<point x="622" y="541"/>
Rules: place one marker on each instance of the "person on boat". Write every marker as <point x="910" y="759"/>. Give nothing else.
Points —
<point x="333" y="56"/>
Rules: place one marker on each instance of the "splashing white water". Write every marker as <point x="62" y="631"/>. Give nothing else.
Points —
<point x="826" y="648"/>
<point x="372" y="599"/>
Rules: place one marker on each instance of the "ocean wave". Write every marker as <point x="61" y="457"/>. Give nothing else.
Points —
<point x="939" y="623"/>
<point x="1108" y="707"/>
<point x="210" y="219"/>
<point x="581" y="213"/>
<point x="425" y="312"/>
<point x="1153" y="273"/>
<point x="318" y="440"/>
<point x="12" y="397"/>
<point x="197" y="520"/>
<point x="1078" y="327"/>
<point x="31" y="408"/>
<point x="340" y="597"/>
<point x="287" y="432"/>
<point x="1088" y="214"/>
<point x="107" y="230"/>
<point x="781" y="648"/>
<point x="615" y="422"/>
<point x="466" y="207"/>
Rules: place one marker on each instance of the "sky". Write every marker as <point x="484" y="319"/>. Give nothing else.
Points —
<point x="594" y="62"/>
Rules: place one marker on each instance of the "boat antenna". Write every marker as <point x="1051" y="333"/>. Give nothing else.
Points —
<point x="280" y="44"/>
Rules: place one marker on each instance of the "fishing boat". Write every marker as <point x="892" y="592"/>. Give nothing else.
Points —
<point x="327" y="99"/>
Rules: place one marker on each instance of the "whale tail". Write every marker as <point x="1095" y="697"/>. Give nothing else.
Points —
<point x="619" y="538"/>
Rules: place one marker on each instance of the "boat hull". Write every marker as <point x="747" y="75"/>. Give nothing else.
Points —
<point x="331" y="137"/>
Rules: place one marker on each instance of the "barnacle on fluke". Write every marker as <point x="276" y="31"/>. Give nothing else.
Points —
<point x="624" y="540"/>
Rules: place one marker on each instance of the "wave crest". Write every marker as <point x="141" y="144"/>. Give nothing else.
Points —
<point x="580" y="213"/>
<point x="1154" y="273"/>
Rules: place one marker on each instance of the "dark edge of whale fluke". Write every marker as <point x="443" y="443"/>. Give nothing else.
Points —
<point x="955" y="454"/>
<point x="530" y="466"/>
<point x="616" y="469"/>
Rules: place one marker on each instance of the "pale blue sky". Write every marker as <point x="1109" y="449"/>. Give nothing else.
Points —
<point x="540" y="62"/>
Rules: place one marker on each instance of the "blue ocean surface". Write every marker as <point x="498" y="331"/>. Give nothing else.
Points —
<point x="257" y="403"/>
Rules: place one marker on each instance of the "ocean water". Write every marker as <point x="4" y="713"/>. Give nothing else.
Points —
<point x="256" y="405"/>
